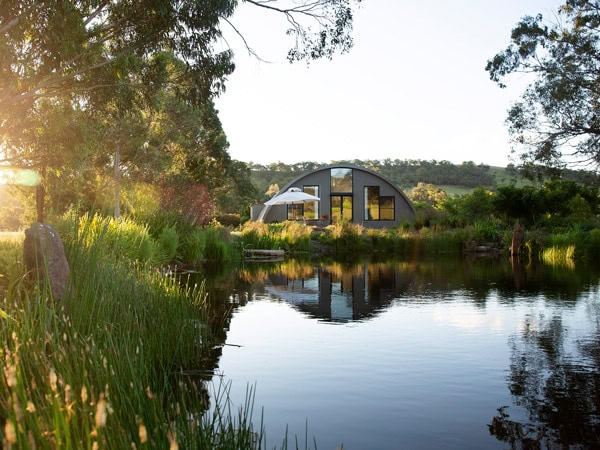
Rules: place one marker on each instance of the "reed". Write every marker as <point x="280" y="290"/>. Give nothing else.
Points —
<point x="121" y="239"/>
<point x="11" y="253"/>
<point x="259" y="235"/>
<point x="559" y="256"/>
<point x="295" y="236"/>
<point x="108" y="367"/>
<point x="290" y="235"/>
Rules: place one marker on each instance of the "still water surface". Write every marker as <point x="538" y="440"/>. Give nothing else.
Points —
<point x="444" y="353"/>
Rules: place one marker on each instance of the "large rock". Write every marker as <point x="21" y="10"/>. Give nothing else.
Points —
<point x="44" y="257"/>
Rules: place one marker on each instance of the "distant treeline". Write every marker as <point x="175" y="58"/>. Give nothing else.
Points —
<point x="408" y="173"/>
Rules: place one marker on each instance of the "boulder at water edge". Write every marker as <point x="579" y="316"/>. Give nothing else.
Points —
<point x="44" y="257"/>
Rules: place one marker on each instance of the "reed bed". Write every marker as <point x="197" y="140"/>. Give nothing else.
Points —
<point x="112" y="365"/>
<point x="559" y="256"/>
<point x="290" y="236"/>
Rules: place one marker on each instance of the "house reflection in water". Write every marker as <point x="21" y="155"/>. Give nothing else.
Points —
<point x="355" y="293"/>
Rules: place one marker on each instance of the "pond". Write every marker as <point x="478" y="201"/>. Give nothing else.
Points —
<point x="452" y="353"/>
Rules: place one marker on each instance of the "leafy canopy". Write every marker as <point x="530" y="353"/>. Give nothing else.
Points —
<point x="97" y="48"/>
<point x="557" y="121"/>
<point x="82" y="78"/>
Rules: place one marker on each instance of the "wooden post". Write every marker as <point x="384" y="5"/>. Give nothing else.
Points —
<point x="518" y="238"/>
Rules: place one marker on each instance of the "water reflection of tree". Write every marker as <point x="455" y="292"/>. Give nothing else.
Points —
<point x="557" y="383"/>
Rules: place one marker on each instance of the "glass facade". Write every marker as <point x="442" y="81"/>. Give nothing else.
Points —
<point x="341" y="181"/>
<point x="295" y="211"/>
<point x="376" y="207"/>
<point x="371" y="202"/>
<point x="387" y="208"/>
<point x="341" y="208"/>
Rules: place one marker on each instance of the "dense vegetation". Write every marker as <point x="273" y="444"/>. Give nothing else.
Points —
<point x="556" y="121"/>
<point x="107" y="108"/>
<point x="120" y="362"/>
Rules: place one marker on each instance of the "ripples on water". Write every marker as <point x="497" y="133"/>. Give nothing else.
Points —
<point x="428" y="354"/>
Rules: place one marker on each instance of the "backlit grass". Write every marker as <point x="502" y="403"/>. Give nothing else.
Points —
<point x="112" y="366"/>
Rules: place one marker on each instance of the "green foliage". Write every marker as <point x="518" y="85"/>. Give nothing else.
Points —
<point x="427" y="215"/>
<point x="140" y="86"/>
<point x="122" y="239"/>
<point x="592" y="245"/>
<point x="488" y="230"/>
<point x="229" y="220"/>
<point x="346" y="238"/>
<point x="216" y="248"/>
<point x="470" y="208"/>
<point x="192" y="249"/>
<point x="290" y="236"/>
<point x="428" y="194"/>
<point x="11" y="253"/>
<point x="111" y="372"/>
<point x="535" y="242"/>
<point x="169" y="242"/>
<point x="556" y="122"/>
<point x="259" y="235"/>
<point x="296" y="236"/>
<point x="580" y="210"/>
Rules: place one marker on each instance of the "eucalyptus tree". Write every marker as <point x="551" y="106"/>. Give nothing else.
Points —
<point x="99" y="56"/>
<point x="556" y="123"/>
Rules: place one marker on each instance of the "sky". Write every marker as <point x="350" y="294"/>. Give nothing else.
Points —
<point x="414" y="86"/>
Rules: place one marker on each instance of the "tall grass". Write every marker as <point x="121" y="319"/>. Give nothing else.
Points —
<point x="11" y="253"/>
<point x="121" y="239"/>
<point x="289" y="235"/>
<point x="559" y="256"/>
<point x="114" y="364"/>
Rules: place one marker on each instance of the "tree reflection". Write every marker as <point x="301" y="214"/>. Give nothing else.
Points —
<point x="555" y="379"/>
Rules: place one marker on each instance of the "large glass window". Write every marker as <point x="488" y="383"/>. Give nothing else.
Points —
<point x="376" y="207"/>
<point x="341" y="208"/>
<point x="387" y="208"/>
<point x="311" y="209"/>
<point x="371" y="202"/>
<point x="295" y="211"/>
<point x="341" y="180"/>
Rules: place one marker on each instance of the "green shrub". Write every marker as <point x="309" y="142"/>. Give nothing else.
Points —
<point x="192" y="249"/>
<point x="535" y="242"/>
<point x="592" y="245"/>
<point x="487" y="230"/>
<point x="169" y="243"/>
<point x="217" y="249"/>
<point x="259" y="235"/>
<point x="347" y="238"/>
<point x="229" y="220"/>
<point x="295" y="236"/>
<point x="121" y="239"/>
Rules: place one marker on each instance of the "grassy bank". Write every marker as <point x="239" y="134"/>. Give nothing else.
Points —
<point x="118" y="363"/>
<point x="123" y="360"/>
<point x="345" y="240"/>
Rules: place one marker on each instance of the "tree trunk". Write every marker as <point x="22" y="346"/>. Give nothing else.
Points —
<point x="117" y="186"/>
<point x="40" y="195"/>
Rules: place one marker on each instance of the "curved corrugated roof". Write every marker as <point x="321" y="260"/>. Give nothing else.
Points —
<point x="267" y="208"/>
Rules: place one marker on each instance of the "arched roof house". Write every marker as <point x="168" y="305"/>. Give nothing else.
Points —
<point x="347" y="192"/>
